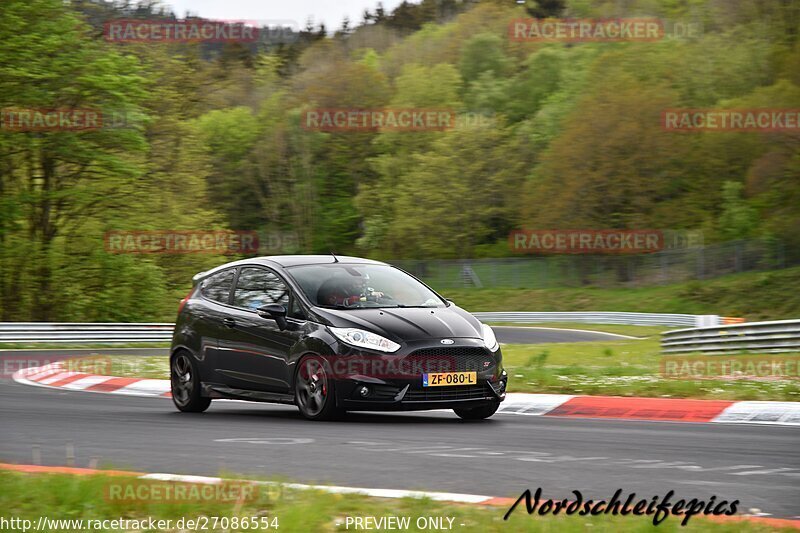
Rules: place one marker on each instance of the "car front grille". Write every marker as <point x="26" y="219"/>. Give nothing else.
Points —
<point x="432" y="394"/>
<point x="456" y="359"/>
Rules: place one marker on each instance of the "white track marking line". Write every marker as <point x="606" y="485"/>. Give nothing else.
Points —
<point x="145" y="387"/>
<point x="751" y="412"/>
<point x="378" y="493"/>
<point x="518" y="403"/>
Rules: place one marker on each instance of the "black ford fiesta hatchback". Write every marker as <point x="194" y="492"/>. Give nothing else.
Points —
<point x="331" y="334"/>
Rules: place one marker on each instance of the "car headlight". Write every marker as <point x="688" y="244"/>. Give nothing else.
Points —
<point x="365" y="339"/>
<point x="489" y="339"/>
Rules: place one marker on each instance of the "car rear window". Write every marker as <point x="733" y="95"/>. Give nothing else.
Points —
<point x="218" y="286"/>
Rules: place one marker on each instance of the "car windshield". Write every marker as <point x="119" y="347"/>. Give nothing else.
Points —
<point x="355" y="286"/>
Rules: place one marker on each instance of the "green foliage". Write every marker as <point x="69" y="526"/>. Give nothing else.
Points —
<point x="738" y="220"/>
<point x="569" y="136"/>
<point x="483" y="54"/>
<point x="59" y="180"/>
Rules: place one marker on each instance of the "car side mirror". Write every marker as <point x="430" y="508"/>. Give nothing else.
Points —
<point x="276" y="312"/>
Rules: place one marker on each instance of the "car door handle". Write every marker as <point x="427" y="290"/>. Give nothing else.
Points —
<point x="229" y="322"/>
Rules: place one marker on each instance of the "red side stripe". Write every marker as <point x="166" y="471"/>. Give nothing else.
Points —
<point x="500" y="502"/>
<point x="37" y="469"/>
<point x="67" y="380"/>
<point x="641" y="408"/>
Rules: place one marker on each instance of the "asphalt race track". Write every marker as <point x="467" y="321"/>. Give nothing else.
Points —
<point x="534" y="335"/>
<point x="758" y="465"/>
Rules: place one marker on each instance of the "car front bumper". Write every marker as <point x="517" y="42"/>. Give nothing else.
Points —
<point x="377" y="391"/>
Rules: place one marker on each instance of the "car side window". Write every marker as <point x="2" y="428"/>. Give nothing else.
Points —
<point x="218" y="286"/>
<point x="257" y="287"/>
<point x="296" y="310"/>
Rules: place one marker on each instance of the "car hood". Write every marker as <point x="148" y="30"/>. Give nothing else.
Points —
<point x="407" y="324"/>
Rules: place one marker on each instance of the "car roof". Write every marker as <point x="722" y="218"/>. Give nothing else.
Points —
<point x="285" y="261"/>
<point x="295" y="260"/>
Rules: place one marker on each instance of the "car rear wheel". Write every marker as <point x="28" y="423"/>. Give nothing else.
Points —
<point x="313" y="390"/>
<point x="185" y="384"/>
<point x="478" y="413"/>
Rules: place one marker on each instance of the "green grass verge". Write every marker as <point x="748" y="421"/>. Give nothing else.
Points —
<point x="753" y="295"/>
<point x="59" y="496"/>
<point x="624" y="368"/>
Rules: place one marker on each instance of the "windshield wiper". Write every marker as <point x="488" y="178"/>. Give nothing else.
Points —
<point x="398" y="306"/>
<point x="403" y="306"/>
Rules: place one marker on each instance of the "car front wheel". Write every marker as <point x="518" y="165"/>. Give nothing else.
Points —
<point x="313" y="390"/>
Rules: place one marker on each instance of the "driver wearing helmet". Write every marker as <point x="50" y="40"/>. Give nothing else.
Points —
<point x="346" y="291"/>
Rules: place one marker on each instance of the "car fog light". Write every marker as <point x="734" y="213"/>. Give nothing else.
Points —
<point x="501" y="387"/>
<point x="363" y="391"/>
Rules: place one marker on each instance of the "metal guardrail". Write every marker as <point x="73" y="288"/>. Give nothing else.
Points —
<point x="763" y="337"/>
<point x="599" y="317"/>
<point x="77" y="333"/>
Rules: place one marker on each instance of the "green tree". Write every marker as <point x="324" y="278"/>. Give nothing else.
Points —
<point x="738" y="219"/>
<point x="483" y="53"/>
<point x="60" y="179"/>
<point x="459" y="194"/>
<point x="609" y="167"/>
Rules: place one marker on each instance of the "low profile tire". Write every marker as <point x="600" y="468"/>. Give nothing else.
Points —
<point x="313" y="390"/>
<point x="185" y="384"/>
<point x="478" y="413"/>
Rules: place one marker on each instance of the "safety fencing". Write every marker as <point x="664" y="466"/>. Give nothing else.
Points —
<point x="755" y="337"/>
<point x="692" y="261"/>
<point x="600" y="317"/>
<point x="77" y="333"/>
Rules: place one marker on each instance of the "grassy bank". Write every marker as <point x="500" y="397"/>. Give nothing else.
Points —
<point x="86" y="498"/>
<point x="625" y="368"/>
<point x="755" y="296"/>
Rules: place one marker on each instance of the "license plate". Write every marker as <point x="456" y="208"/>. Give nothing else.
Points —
<point x="443" y="379"/>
